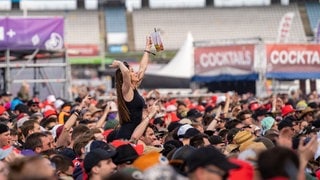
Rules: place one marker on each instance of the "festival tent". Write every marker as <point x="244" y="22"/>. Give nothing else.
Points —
<point x="177" y="73"/>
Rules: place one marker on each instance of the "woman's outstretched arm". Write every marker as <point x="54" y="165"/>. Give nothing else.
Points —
<point x="145" y="59"/>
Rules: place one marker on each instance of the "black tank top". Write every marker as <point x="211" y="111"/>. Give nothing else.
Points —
<point x="135" y="108"/>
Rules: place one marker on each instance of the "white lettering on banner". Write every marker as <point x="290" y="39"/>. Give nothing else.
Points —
<point x="295" y="57"/>
<point x="242" y="58"/>
<point x="1" y="33"/>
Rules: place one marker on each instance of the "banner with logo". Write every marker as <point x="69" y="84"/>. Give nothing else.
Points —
<point x="224" y="63"/>
<point x="32" y="33"/>
<point x="293" y="61"/>
<point x="284" y="27"/>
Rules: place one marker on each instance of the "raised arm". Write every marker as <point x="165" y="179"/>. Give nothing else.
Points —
<point x="213" y="123"/>
<point x="126" y="85"/>
<point x="62" y="140"/>
<point x="148" y="114"/>
<point x="145" y="59"/>
<point x="103" y="118"/>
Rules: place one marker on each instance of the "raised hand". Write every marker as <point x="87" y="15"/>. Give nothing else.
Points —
<point x="115" y="64"/>
<point x="148" y="43"/>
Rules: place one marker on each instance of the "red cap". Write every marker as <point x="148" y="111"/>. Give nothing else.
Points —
<point x="2" y="109"/>
<point x="286" y="110"/>
<point x="138" y="147"/>
<point x="106" y="133"/>
<point x="246" y="170"/>
<point x="200" y="108"/>
<point x="214" y="99"/>
<point x="254" y="106"/>
<point x="49" y="112"/>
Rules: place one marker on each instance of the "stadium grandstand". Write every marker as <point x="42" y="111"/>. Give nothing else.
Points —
<point x="96" y="31"/>
<point x="204" y="21"/>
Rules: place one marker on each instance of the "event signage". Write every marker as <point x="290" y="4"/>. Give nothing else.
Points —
<point x="239" y="57"/>
<point x="294" y="60"/>
<point x="32" y="33"/>
<point x="285" y="27"/>
<point x="81" y="50"/>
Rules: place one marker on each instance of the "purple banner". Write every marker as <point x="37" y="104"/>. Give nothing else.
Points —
<point x="31" y="33"/>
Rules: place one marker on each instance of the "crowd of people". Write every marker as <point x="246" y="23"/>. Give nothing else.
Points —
<point x="155" y="136"/>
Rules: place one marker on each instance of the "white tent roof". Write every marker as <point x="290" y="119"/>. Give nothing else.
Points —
<point x="182" y="65"/>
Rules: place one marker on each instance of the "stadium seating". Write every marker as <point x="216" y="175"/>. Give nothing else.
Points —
<point x="215" y="24"/>
<point x="313" y="11"/>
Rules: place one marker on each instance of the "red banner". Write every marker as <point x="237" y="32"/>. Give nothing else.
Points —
<point x="82" y="50"/>
<point x="293" y="58"/>
<point x="213" y="58"/>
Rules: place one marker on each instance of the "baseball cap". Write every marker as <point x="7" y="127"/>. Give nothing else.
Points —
<point x="286" y="110"/>
<point x="95" y="144"/>
<point x="139" y="148"/>
<point x="2" y="110"/>
<point x="193" y="113"/>
<point x="215" y="139"/>
<point x="128" y="173"/>
<point x="125" y="154"/>
<point x="178" y="160"/>
<point x="183" y="129"/>
<point x="185" y="121"/>
<point x="6" y="93"/>
<point x="191" y="132"/>
<point x="95" y="156"/>
<point x="285" y="123"/>
<point x="49" y="112"/>
<point x="32" y="102"/>
<point x="209" y="155"/>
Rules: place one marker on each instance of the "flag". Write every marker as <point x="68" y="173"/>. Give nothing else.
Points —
<point x="318" y="33"/>
<point x="284" y="27"/>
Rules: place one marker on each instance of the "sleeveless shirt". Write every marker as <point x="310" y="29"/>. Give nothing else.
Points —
<point x="135" y="108"/>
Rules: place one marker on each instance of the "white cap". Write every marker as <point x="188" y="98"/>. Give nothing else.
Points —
<point x="171" y="108"/>
<point x="51" y="98"/>
<point x="185" y="121"/>
<point x="58" y="103"/>
<point x="183" y="129"/>
<point x="221" y="99"/>
<point x="22" y="120"/>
